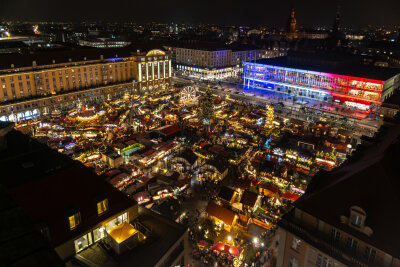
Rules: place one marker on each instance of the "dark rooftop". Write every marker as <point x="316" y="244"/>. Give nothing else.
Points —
<point x="75" y="54"/>
<point x="370" y="180"/>
<point x="226" y="193"/>
<point x="213" y="46"/>
<point x="340" y="64"/>
<point x="22" y="244"/>
<point x="40" y="177"/>
<point x="249" y="198"/>
<point x="189" y="156"/>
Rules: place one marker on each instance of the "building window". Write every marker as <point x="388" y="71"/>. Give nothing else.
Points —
<point x="83" y="242"/>
<point x="335" y="235"/>
<point x="351" y="244"/>
<point x="74" y="220"/>
<point x="293" y="262"/>
<point x="102" y="206"/>
<point x="369" y="254"/>
<point x="319" y="260"/>
<point x="356" y="220"/>
<point x="296" y="244"/>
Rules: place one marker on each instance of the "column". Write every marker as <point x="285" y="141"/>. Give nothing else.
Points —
<point x="158" y="69"/>
<point x="169" y="69"/>
<point x="152" y="70"/>
<point x="140" y="72"/>
<point x="164" y="64"/>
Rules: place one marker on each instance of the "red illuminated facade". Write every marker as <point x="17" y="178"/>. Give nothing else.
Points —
<point x="358" y="93"/>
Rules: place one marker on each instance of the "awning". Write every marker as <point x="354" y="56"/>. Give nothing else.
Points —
<point x="234" y="251"/>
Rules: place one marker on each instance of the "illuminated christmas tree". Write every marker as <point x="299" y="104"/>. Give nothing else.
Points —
<point x="206" y="112"/>
<point x="269" y="122"/>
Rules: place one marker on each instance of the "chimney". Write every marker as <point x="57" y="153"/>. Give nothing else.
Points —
<point x="12" y="66"/>
<point x="34" y="64"/>
<point x="70" y="60"/>
<point x="84" y="58"/>
<point x="101" y="57"/>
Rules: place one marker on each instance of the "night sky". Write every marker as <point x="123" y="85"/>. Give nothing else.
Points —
<point x="240" y="12"/>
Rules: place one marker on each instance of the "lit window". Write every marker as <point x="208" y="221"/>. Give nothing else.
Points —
<point x="102" y="206"/>
<point x="74" y="220"/>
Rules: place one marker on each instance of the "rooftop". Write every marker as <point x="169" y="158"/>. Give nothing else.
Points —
<point x="339" y="64"/>
<point x="214" y="46"/>
<point x="75" y="54"/>
<point x="226" y="193"/>
<point x="249" y="198"/>
<point x="21" y="243"/>
<point x="40" y="177"/>
<point x="368" y="180"/>
<point x="221" y="213"/>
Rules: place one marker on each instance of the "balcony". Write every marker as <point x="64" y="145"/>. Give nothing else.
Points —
<point x="322" y="243"/>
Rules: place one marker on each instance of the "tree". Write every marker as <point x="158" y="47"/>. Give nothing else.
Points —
<point x="206" y="113"/>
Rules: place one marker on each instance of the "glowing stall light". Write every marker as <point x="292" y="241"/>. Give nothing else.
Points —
<point x="70" y="145"/>
<point x="268" y="143"/>
<point x="93" y="157"/>
<point x="324" y="161"/>
<point x="277" y="151"/>
<point x="297" y="190"/>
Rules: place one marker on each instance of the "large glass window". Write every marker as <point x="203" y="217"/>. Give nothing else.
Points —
<point x="117" y="221"/>
<point x="83" y="242"/>
<point x="98" y="234"/>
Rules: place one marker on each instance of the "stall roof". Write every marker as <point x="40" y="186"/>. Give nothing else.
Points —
<point x="226" y="193"/>
<point x="249" y="198"/>
<point x="221" y="213"/>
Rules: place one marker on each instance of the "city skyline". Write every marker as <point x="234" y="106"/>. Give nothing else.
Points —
<point x="254" y="13"/>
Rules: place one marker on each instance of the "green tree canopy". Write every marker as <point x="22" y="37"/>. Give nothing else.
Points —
<point x="206" y="112"/>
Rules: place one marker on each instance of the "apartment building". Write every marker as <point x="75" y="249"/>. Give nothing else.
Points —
<point x="348" y="217"/>
<point x="82" y="216"/>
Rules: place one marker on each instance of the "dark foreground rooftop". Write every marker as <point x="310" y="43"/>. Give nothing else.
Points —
<point x="370" y="180"/>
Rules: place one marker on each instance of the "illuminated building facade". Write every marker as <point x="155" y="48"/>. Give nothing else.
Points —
<point x="213" y="62"/>
<point x="27" y="91"/>
<point x="104" y="44"/>
<point x="285" y="77"/>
